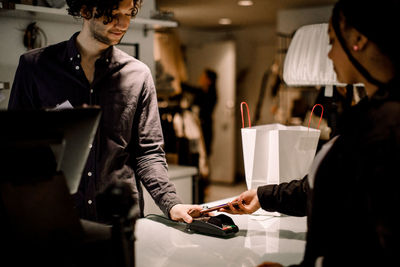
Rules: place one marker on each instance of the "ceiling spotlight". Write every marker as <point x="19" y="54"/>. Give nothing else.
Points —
<point x="245" y="3"/>
<point x="225" y="21"/>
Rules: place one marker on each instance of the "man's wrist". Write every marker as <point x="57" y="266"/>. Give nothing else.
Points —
<point x="173" y="204"/>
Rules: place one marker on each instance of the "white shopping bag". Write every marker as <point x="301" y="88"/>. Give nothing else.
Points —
<point x="275" y="153"/>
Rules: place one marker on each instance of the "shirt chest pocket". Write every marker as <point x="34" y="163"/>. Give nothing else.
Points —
<point x="118" y="118"/>
<point x="118" y="114"/>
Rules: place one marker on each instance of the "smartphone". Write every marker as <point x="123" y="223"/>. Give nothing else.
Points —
<point x="225" y="206"/>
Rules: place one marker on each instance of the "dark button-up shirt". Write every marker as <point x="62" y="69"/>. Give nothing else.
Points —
<point x="128" y="143"/>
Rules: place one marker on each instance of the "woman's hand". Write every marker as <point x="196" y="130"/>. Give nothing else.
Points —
<point x="247" y="203"/>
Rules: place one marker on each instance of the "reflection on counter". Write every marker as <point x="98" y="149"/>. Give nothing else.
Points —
<point x="260" y="238"/>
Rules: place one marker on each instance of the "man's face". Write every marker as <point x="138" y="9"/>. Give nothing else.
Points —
<point x="112" y="33"/>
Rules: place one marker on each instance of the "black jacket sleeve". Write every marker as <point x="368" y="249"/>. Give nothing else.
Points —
<point x="287" y="198"/>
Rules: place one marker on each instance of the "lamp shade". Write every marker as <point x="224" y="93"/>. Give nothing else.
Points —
<point x="306" y="62"/>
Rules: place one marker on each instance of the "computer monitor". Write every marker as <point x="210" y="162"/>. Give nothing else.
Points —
<point x="68" y="132"/>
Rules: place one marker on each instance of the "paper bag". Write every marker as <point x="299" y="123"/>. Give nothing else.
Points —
<point x="275" y="153"/>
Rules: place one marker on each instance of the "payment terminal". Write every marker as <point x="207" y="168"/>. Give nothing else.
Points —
<point x="220" y="225"/>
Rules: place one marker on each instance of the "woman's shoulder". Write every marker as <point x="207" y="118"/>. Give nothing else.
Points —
<point x="388" y="112"/>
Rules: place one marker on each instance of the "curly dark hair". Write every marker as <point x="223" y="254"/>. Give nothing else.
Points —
<point x="103" y="8"/>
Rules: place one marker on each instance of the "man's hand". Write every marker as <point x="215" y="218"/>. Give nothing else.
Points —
<point x="247" y="203"/>
<point x="180" y="212"/>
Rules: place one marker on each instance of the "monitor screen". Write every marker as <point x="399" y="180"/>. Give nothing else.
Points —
<point x="69" y="133"/>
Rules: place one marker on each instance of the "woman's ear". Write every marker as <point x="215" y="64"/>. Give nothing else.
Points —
<point x="362" y="41"/>
<point x="359" y="41"/>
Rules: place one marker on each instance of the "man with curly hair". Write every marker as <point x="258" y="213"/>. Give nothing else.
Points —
<point x="89" y="70"/>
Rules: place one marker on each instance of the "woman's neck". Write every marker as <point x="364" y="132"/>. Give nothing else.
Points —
<point x="379" y="66"/>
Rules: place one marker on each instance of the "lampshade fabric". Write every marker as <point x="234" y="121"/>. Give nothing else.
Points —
<point x="306" y="62"/>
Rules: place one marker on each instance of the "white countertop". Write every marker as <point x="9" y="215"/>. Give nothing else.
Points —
<point x="160" y="242"/>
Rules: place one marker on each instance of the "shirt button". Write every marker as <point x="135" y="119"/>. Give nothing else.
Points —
<point x="77" y="67"/>
<point x="107" y="60"/>
<point x="78" y="56"/>
<point x="71" y="58"/>
<point x="89" y="174"/>
<point x="90" y="202"/>
<point x="91" y="91"/>
<point x="90" y="146"/>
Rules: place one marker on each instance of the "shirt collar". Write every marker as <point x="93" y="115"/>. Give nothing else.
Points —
<point x="74" y="55"/>
<point x="107" y="55"/>
<point x="72" y="51"/>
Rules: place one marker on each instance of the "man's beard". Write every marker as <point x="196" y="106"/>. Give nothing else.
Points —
<point x="103" y="38"/>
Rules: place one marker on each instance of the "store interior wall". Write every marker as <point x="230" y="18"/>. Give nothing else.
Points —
<point x="171" y="67"/>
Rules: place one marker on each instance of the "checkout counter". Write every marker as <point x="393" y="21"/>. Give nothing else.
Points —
<point x="49" y="220"/>
<point x="161" y="242"/>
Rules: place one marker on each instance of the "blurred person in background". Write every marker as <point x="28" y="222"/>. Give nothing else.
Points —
<point x="204" y="96"/>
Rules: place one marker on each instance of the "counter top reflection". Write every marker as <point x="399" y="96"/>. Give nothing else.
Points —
<point x="160" y="242"/>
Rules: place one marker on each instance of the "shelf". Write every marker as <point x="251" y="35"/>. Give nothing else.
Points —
<point x="61" y="14"/>
<point x="4" y="85"/>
